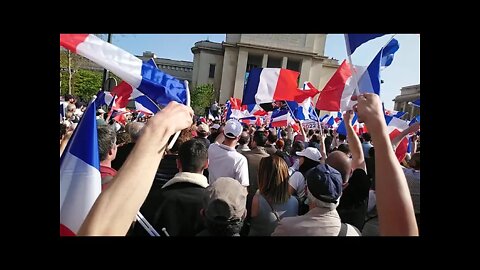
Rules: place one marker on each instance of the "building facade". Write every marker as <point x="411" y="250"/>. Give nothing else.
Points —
<point x="408" y="94"/>
<point x="226" y="65"/>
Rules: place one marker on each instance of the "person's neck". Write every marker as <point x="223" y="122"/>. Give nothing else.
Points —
<point x="106" y="163"/>
<point x="230" y="143"/>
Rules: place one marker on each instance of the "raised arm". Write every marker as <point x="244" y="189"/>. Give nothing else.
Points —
<point x="413" y="128"/>
<point x="394" y="204"/>
<point x="358" y="160"/>
<point x="116" y="207"/>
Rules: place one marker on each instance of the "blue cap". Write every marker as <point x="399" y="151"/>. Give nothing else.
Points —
<point x="324" y="183"/>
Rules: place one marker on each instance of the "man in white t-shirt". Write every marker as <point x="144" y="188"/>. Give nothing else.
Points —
<point x="224" y="160"/>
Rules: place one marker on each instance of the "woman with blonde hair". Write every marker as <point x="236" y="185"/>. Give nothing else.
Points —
<point x="272" y="201"/>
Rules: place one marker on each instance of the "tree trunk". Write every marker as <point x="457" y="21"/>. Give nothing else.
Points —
<point x="69" y="72"/>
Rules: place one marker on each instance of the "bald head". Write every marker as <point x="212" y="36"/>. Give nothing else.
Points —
<point x="341" y="162"/>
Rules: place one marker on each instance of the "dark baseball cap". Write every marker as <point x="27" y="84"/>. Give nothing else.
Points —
<point x="324" y="183"/>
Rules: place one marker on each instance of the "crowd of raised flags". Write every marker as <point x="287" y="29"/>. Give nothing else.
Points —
<point x="151" y="89"/>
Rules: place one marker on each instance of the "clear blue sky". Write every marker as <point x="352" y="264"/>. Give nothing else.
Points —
<point x="404" y="70"/>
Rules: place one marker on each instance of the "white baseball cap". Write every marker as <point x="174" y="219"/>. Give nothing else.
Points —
<point x="233" y="129"/>
<point x="310" y="153"/>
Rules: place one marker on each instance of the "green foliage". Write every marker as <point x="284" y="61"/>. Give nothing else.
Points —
<point x="202" y="97"/>
<point x="87" y="83"/>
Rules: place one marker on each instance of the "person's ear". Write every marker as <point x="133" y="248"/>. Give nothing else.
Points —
<point x="206" y="165"/>
<point x="202" y="212"/>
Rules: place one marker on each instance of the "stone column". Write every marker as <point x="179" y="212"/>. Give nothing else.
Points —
<point x="305" y="70"/>
<point x="284" y="62"/>
<point x="264" y="60"/>
<point x="240" y="74"/>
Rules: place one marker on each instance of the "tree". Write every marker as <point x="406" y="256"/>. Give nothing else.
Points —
<point x="201" y="97"/>
<point x="87" y="83"/>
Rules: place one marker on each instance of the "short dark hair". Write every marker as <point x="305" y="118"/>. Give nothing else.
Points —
<point x="192" y="155"/>
<point x="366" y="137"/>
<point x="259" y="138"/>
<point x="106" y="140"/>
<point x="342" y="137"/>
<point x="244" y="138"/>
<point x="344" y="148"/>
<point x="272" y="137"/>
<point x="297" y="146"/>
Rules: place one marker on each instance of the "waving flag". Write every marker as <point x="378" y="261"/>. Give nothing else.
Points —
<point x="103" y="98"/>
<point x="338" y="91"/>
<point x="414" y="120"/>
<point x="342" y="129"/>
<point x="394" y="127"/>
<point x="80" y="181"/>
<point x="144" y="104"/>
<point x="280" y="118"/>
<point x="369" y="81"/>
<point x="415" y="103"/>
<point x="355" y="40"/>
<point x="255" y="109"/>
<point x="145" y="76"/>
<point x="236" y="110"/>
<point x="270" y="84"/>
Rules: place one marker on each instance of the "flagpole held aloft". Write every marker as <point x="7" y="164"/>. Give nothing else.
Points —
<point x="350" y="62"/>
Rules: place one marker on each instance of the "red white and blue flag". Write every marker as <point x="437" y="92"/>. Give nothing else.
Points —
<point x="267" y="85"/>
<point x="144" y="76"/>
<point x="80" y="181"/>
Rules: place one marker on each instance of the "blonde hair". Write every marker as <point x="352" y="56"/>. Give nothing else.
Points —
<point x="273" y="179"/>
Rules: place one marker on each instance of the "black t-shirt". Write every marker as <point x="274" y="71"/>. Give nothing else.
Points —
<point x="354" y="201"/>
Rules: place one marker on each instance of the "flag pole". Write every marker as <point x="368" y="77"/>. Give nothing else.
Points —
<point x="146" y="225"/>
<point x="352" y="69"/>
<point x="313" y="108"/>
<point x="291" y="112"/>
<point x="111" y="107"/>
<point x="354" y="72"/>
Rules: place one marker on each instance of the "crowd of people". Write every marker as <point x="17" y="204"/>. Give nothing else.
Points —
<point x="226" y="178"/>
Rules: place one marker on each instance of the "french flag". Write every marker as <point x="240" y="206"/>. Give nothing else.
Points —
<point x="369" y="81"/>
<point x="394" y="127"/>
<point x="144" y="104"/>
<point x="236" y="110"/>
<point x="342" y="129"/>
<point x="144" y="76"/>
<point x="126" y="92"/>
<point x="253" y="120"/>
<point x="414" y="120"/>
<point x="280" y="118"/>
<point x="266" y="85"/>
<point x="356" y="40"/>
<point x="255" y="109"/>
<point x="337" y="93"/>
<point x="415" y="103"/>
<point x="103" y="98"/>
<point x="80" y="181"/>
